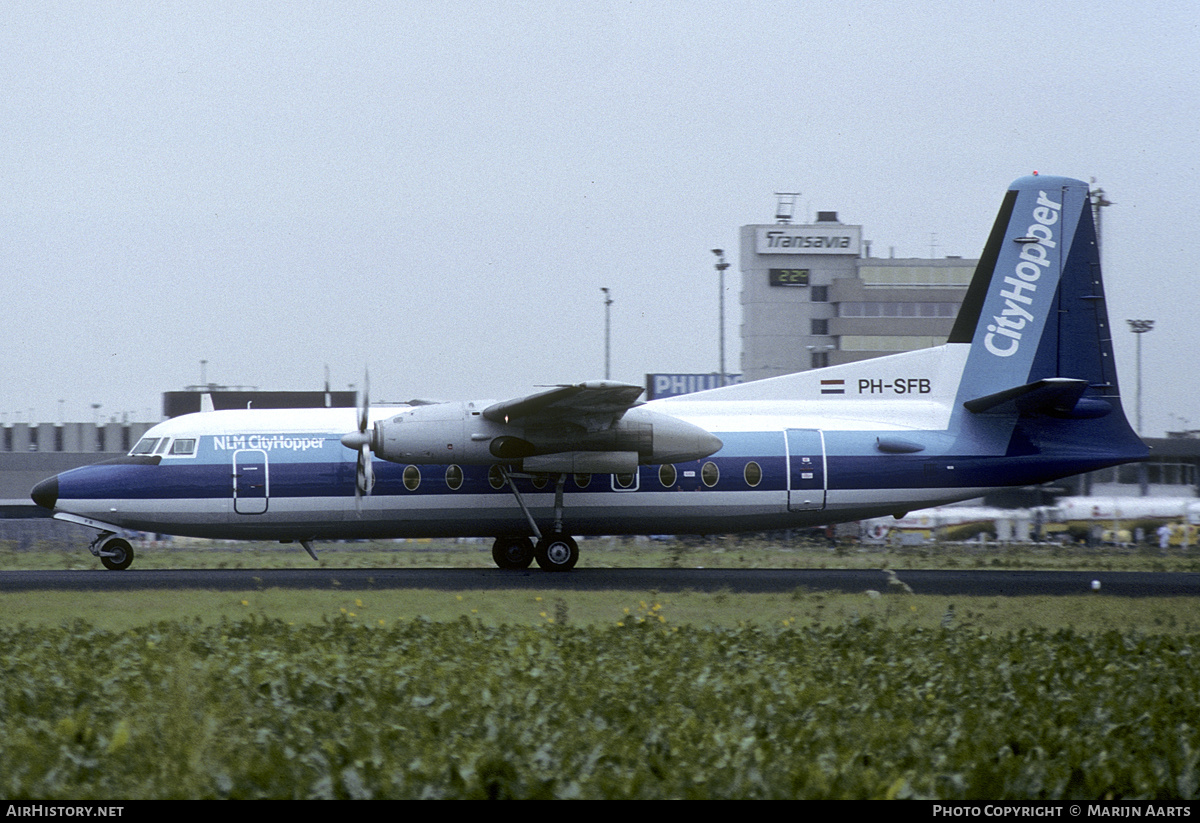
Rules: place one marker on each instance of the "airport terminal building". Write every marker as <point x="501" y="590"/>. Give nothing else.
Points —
<point x="812" y="296"/>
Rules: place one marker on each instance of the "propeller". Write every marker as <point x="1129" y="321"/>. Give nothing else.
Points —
<point x="364" y="473"/>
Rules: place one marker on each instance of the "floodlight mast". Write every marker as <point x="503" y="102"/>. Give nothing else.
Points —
<point x="721" y="266"/>
<point x="607" y="334"/>
<point x="1139" y="327"/>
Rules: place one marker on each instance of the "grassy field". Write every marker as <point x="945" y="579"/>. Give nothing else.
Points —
<point x="994" y="615"/>
<point x="609" y="552"/>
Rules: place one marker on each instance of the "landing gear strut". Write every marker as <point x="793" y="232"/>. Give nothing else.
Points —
<point x="554" y="552"/>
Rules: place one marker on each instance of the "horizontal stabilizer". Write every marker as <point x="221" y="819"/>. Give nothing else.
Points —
<point x="1054" y="396"/>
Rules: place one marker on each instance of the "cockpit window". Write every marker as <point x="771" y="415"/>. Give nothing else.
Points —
<point x="184" y="446"/>
<point x="162" y="445"/>
<point x="145" y="446"/>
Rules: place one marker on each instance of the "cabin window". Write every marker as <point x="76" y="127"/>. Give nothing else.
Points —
<point x="184" y="446"/>
<point x="496" y="477"/>
<point x="146" y="445"/>
<point x="412" y="478"/>
<point x="667" y="475"/>
<point x="625" y="479"/>
<point x="582" y="480"/>
<point x="710" y="474"/>
<point x="539" y="481"/>
<point x="753" y="474"/>
<point x="454" y="477"/>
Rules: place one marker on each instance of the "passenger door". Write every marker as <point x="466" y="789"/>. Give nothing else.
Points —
<point x="251" y="481"/>
<point x="806" y="469"/>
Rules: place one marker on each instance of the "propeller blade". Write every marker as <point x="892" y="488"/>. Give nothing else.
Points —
<point x="364" y="402"/>
<point x="364" y="477"/>
<point x="364" y="471"/>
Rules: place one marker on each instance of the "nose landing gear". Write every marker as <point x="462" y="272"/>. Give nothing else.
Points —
<point x="116" y="553"/>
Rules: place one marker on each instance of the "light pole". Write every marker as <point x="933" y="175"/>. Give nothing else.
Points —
<point x="721" y="265"/>
<point x="607" y="335"/>
<point x="1139" y="327"/>
<point x="1099" y="202"/>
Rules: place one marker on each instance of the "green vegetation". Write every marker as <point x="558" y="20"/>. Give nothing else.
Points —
<point x="421" y="709"/>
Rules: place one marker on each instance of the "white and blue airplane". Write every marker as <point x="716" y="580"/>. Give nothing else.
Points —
<point x="1024" y="391"/>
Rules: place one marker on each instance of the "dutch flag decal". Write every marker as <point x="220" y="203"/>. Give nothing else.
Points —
<point x="833" y="387"/>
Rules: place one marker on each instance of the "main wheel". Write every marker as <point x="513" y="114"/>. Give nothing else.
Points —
<point x="512" y="552"/>
<point x="557" y="553"/>
<point x="116" y="553"/>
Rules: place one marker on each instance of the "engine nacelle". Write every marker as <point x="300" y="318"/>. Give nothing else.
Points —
<point x="438" y="433"/>
<point x="459" y="433"/>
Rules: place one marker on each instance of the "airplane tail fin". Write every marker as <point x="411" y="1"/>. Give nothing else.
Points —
<point x="1036" y="319"/>
<point x="1035" y="308"/>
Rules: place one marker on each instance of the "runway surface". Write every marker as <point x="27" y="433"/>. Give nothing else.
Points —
<point x="983" y="583"/>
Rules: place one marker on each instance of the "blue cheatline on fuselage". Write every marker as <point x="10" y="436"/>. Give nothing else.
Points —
<point x="1024" y="392"/>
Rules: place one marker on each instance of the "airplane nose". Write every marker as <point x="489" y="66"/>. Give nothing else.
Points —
<point x="45" y="494"/>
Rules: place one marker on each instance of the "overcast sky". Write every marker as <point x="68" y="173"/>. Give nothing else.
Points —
<point x="439" y="190"/>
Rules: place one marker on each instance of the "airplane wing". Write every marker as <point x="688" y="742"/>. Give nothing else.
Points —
<point x="594" y="406"/>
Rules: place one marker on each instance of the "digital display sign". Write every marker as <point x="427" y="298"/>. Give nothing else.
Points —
<point x="789" y="277"/>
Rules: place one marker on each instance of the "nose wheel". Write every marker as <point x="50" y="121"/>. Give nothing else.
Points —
<point x="116" y="553"/>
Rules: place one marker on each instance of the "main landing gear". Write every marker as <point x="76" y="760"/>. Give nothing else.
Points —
<point x="554" y="552"/>
<point x="557" y="552"/>
<point x="513" y="552"/>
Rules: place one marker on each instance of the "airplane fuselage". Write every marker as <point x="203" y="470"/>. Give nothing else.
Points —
<point x="285" y="475"/>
